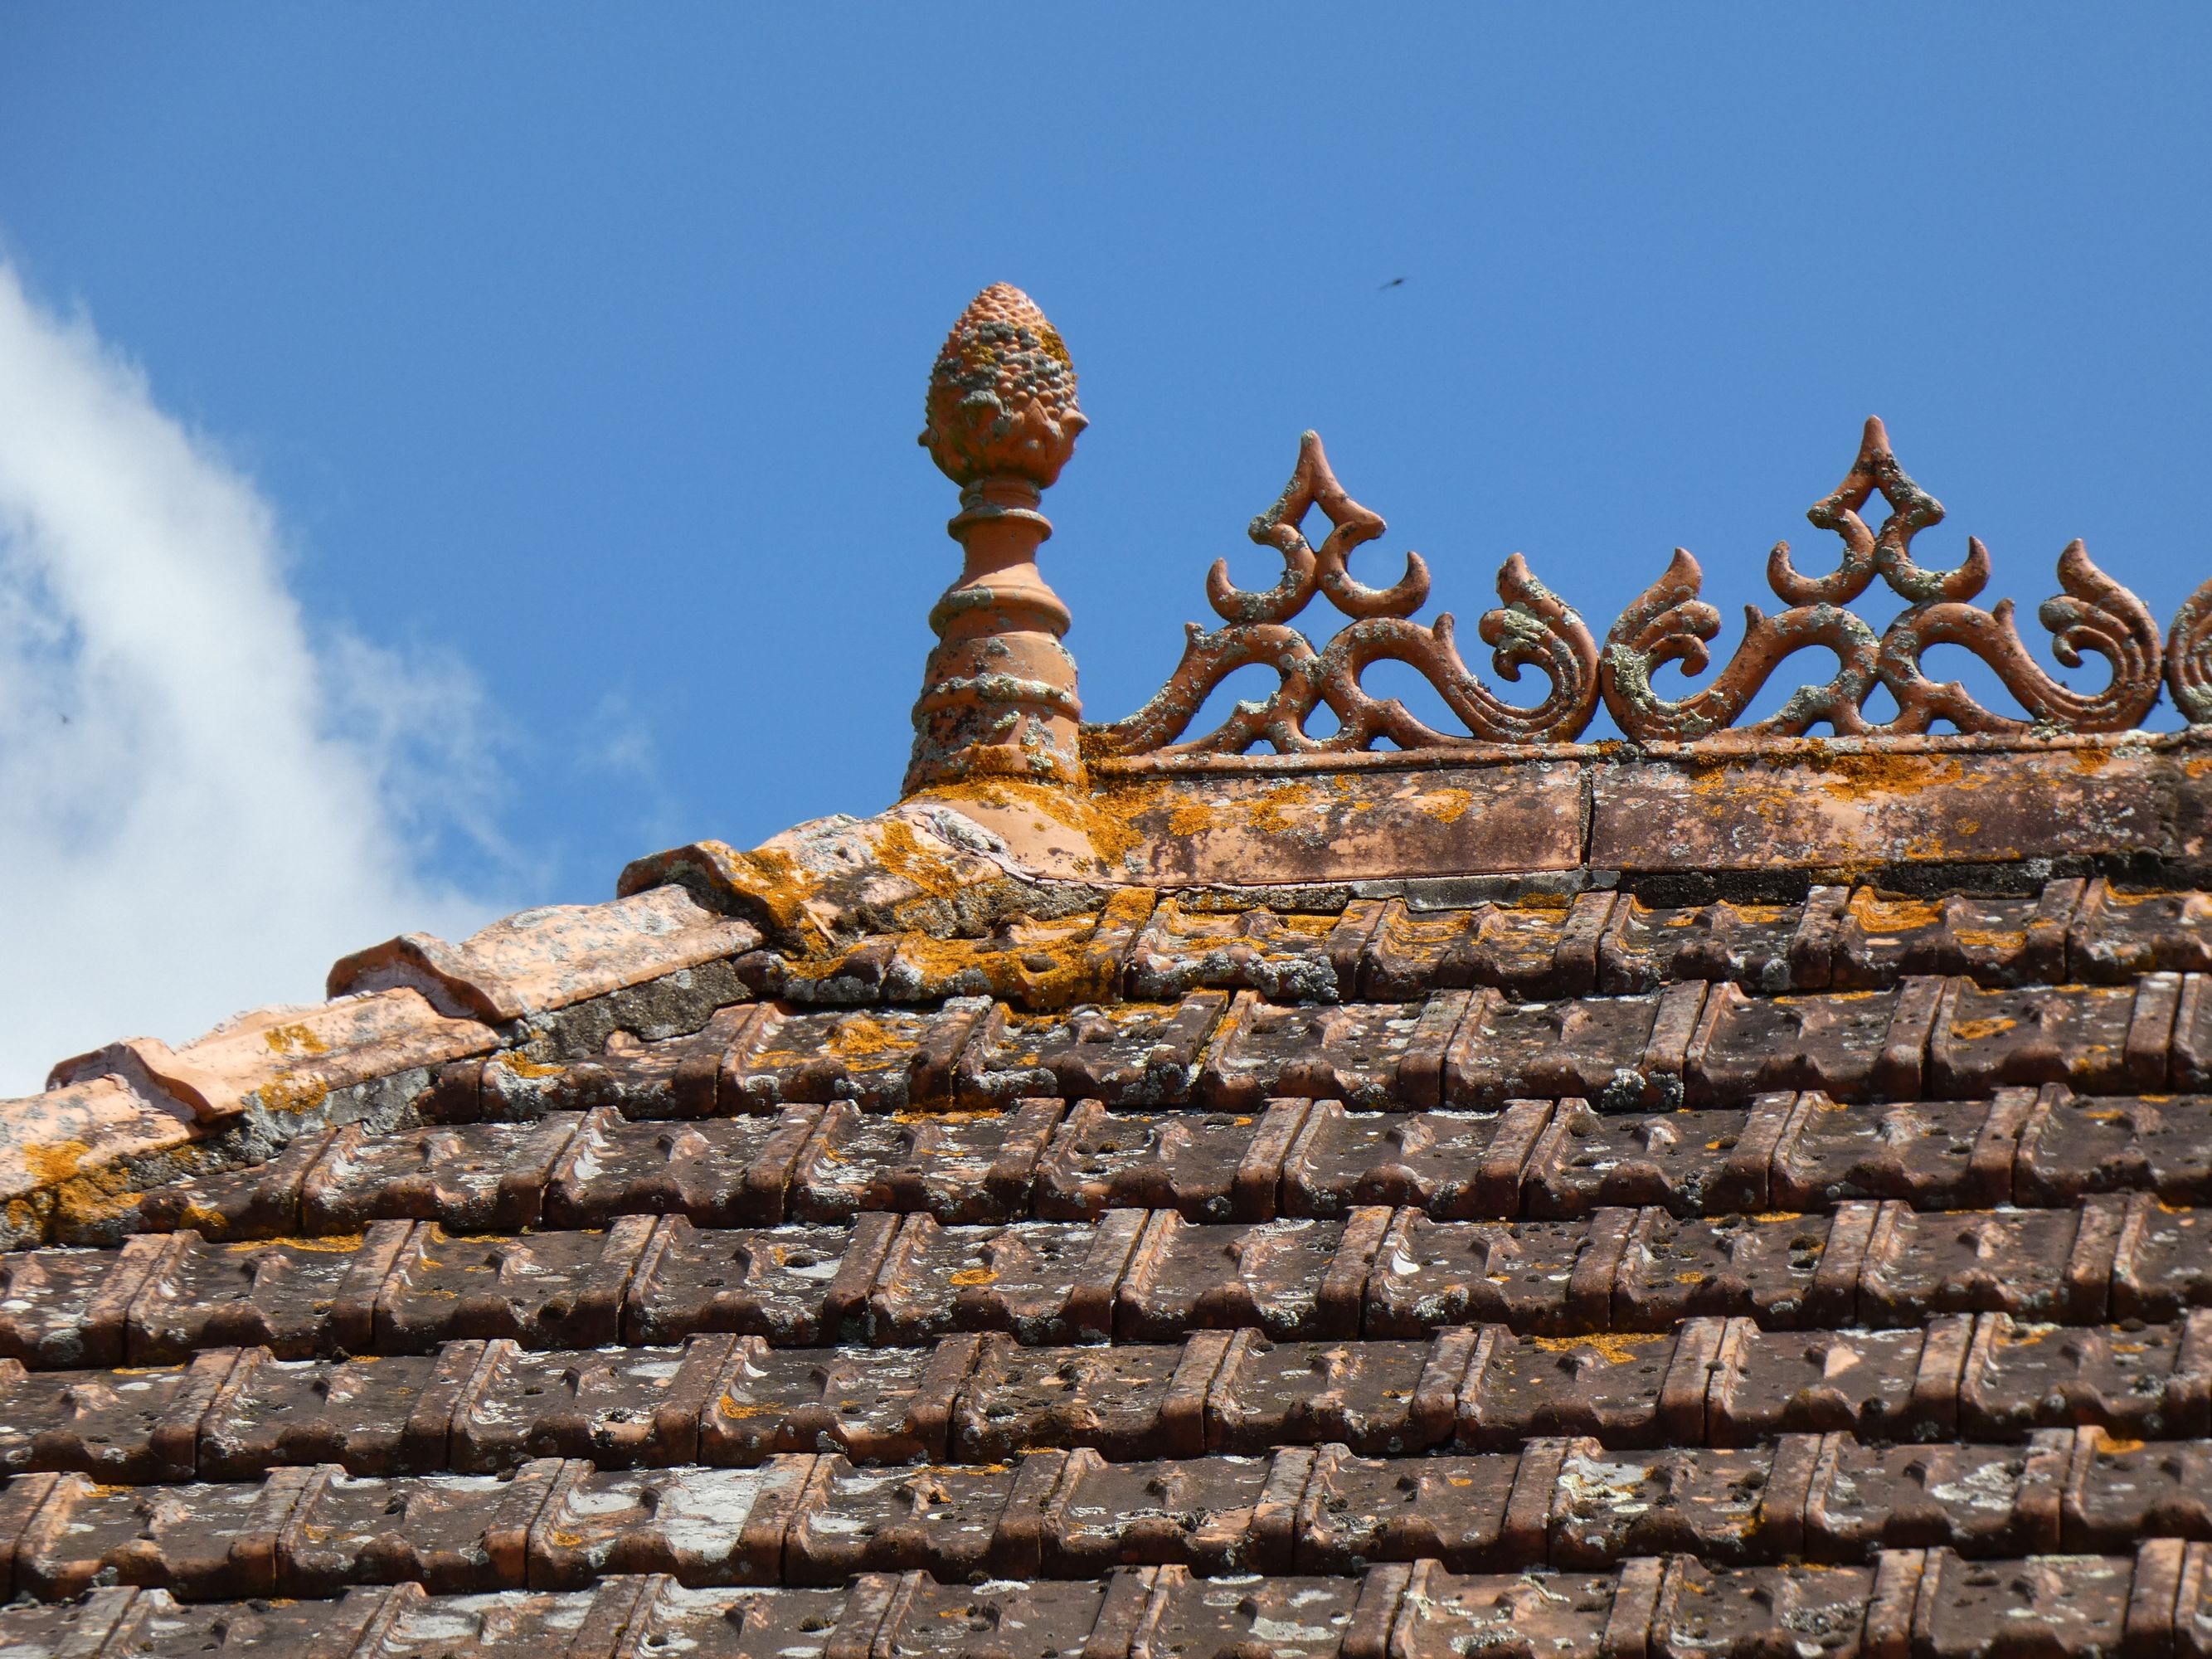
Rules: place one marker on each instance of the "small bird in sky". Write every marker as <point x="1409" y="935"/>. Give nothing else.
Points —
<point x="1396" y="282"/>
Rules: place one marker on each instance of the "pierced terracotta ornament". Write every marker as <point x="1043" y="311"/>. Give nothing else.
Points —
<point x="1669" y="623"/>
<point x="1533" y="628"/>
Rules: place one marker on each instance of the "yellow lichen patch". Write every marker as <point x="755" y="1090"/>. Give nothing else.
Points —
<point x="859" y="1035"/>
<point x="54" y="1162"/>
<point x="1102" y="819"/>
<point x="1892" y="912"/>
<point x="1282" y="807"/>
<point x="1857" y="775"/>
<point x="768" y="877"/>
<point x="521" y="1065"/>
<point x="1047" y="966"/>
<point x="900" y="851"/>
<point x="1995" y="941"/>
<point x="292" y="1094"/>
<point x="1444" y="806"/>
<point x="777" y="871"/>
<point x="94" y="1198"/>
<point x="295" y="1039"/>
<point x="1191" y="819"/>
<point x="1974" y="1030"/>
<point x="323" y="1244"/>
<point x="1547" y="905"/>
<point x="1615" y="1349"/>
<point x="971" y="1276"/>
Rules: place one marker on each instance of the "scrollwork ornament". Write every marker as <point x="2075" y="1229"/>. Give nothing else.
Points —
<point x="1669" y="623"/>
<point x="2093" y="614"/>
<point x="2189" y="658"/>
<point x="1532" y="628"/>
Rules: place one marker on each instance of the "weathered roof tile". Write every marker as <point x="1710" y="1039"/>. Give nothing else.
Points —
<point x="537" y="960"/>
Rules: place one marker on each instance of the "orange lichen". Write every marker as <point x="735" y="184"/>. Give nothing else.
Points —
<point x="1975" y="1030"/>
<point x="1859" y="774"/>
<point x="321" y="1244"/>
<point x="1615" y="1349"/>
<point x="54" y="1162"/>
<point x="1190" y="818"/>
<point x="296" y="1093"/>
<point x="294" y="1039"/>
<point x="1996" y="941"/>
<point x="900" y="852"/>
<point x="1888" y="912"/>
<point x="514" y="1060"/>
<point x="1093" y="817"/>
<point x="1444" y="806"/>
<point x="1275" y="811"/>
<point x="1042" y="964"/>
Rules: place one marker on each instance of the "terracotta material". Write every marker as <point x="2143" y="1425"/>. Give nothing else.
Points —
<point x="997" y="696"/>
<point x="1669" y="623"/>
<point x="1533" y="629"/>
<point x="539" y="960"/>
<point x="821" y="884"/>
<point x="286" y="1060"/>
<point x="1379" y="826"/>
<point x="68" y="1149"/>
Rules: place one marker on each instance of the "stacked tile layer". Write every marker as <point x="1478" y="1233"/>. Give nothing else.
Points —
<point x="1564" y="1274"/>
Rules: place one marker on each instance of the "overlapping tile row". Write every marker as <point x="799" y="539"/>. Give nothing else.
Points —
<point x="1860" y="937"/>
<point x="1049" y="1160"/>
<point x="1924" y="1603"/>
<point x="817" y="1519"/>
<point x="404" y="1287"/>
<point x="1706" y="1048"/>
<point x="486" y="1408"/>
<point x="1689" y="1044"/>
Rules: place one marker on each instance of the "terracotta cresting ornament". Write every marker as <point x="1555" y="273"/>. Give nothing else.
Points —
<point x="1667" y="626"/>
<point x="997" y="698"/>
<point x="1669" y="623"/>
<point x="1533" y="628"/>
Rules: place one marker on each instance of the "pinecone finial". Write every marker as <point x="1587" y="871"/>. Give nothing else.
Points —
<point x="1002" y="394"/>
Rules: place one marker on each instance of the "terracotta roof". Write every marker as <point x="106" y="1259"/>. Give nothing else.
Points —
<point x="1726" y="1192"/>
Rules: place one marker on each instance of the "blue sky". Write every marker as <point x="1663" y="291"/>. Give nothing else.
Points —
<point x="576" y="354"/>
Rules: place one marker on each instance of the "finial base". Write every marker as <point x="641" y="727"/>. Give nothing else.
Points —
<point x="997" y="698"/>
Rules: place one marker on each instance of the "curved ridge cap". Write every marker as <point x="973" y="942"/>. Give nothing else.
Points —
<point x="537" y="960"/>
<point x="286" y="1057"/>
<point x="922" y="865"/>
<point x="82" y="1134"/>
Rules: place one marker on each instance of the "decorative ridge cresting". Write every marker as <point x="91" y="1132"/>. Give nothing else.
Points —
<point x="1667" y="623"/>
<point x="1533" y="628"/>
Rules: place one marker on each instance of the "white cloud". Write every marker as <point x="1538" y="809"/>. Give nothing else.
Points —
<point x="199" y="808"/>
